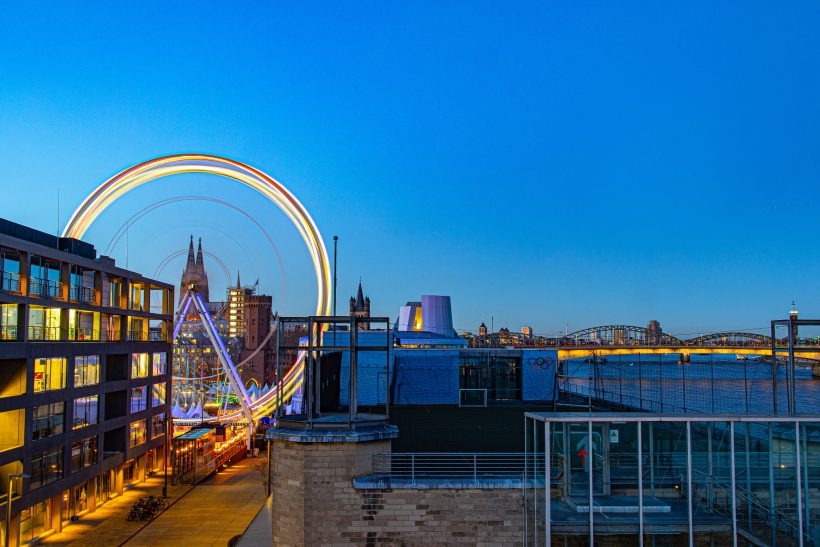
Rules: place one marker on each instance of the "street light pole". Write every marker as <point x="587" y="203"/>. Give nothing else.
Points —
<point x="165" y="456"/>
<point x="9" y="496"/>
<point x="335" y="246"/>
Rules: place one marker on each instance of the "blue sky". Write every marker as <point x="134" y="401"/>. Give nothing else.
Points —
<point x="543" y="164"/>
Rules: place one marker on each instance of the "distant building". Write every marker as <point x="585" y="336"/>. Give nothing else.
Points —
<point x="257" y="314"/>
<point x="526" y="331"/>
<point x="482" y="330"/>
<point x="360" y="307"/>
<point x="236" y="307"/>
<point x="793" y="316"/>
<point x="194" y="273"/>
<point x="653" y="333"/>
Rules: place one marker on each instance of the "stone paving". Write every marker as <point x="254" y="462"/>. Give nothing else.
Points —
<point x="211" y="513"/>
<point x="107" y="525"/>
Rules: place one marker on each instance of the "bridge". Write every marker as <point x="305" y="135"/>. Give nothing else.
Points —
<point x="619" y="339"/>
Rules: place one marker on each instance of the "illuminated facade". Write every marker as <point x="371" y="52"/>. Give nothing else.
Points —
<point x="84" y="378"/>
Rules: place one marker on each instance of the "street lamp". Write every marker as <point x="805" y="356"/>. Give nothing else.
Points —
<point x="12" y="476"/>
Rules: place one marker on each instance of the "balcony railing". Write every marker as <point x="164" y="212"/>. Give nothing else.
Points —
<point x="82" y="335"/>
<point x="113" y="335"/>
<point x="10" y="282"/>
<point x="8" y="333"/>
<point x="43" y="333"/>
<point x="475" y="466"/>
<point x="44" y="287"/>
<point x="155" y="336"/>
<point x="79" y="293"/>
<point x="137" y="336"/>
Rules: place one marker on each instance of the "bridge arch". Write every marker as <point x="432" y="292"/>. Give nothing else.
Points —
<point x="730" y="338"/>
<point x="623" y="335"/>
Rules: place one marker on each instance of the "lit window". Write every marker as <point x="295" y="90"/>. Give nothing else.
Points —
<point x="158" y="394"/>
<point x="138" y="398"/>
<point x="139" y="365"/>
<point x="49" y="373"/>
<point x="160" y="364"/>
<point x="46" y="467"/>
<point x="137" y="433"/>
<point x="83" y="453"/>
<point x="47" y="420"/>
<point x="158" y="425"/>
<point x="86" y="370"/>
<point x="86" y="411"/>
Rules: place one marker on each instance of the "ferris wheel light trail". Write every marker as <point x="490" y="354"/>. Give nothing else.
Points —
<point x="125" y="181"/>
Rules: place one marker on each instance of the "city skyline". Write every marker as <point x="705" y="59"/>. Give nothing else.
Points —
<point x="568" y="188"/>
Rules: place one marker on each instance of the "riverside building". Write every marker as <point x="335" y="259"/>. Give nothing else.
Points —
<point x="84" y="379"/>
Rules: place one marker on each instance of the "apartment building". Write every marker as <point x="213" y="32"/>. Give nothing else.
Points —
<point x="85" y="349"/>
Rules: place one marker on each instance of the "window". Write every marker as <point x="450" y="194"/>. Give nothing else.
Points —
<point x="157" y="394"/>
<point x="86" y="370"/>
<point x="138" y="398"/>
<point x="35" y="522"/>
<point x="160" y="364"/>
<point x="137" y="433"/>
<point x="139" y="365"/>
<point x="83" y="453"/>
<point x="499" y="374"/>
<point x="46" y="467"/>
<point x="49" y="373"/>
<point x="158" y="425"/>
<point x="85" y="411"/>
<point x="47" y="420"/>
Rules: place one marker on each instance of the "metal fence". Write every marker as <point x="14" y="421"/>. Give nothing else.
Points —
<point x="414" y="466"/>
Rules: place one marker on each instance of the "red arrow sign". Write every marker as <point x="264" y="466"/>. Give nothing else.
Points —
<point x="583" y="453"/>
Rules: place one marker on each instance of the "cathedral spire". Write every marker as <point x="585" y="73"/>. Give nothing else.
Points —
<point x="191" y="262"/>
<point x="199" y="262"/>
<point x="238" y="285"/>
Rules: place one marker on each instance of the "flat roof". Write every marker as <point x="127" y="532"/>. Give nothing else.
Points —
<point x="658" y="417"/>
<point x="195" y="433"/>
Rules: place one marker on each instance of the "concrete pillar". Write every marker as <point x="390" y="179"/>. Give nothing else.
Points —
<point x="311" y="479"/>
<point x="118" y="480"/>
<point x="25" y="269"/>
<point x="98" y="286"/>
<point x="55" y="515"/>
<point x="65" y="281"/>
<point x="92" y="495"/>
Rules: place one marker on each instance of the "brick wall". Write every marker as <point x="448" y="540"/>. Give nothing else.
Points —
<point x="315" y="503"/>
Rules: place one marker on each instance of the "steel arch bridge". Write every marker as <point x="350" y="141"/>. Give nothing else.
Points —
<point x="623" y="335"/>
<point x="731" y="338"/>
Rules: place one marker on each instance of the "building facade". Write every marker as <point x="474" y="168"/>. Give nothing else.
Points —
<point x="360" y="307"/>
<point x="84" y="379"/>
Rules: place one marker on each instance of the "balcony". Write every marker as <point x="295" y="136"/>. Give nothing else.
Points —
<point x="44" y="288"/>
<point x="38" y="333"/>
<point x="83" y="335"/>
<point x="8" y="333"/>
<point x="10" y="282"/>
<point x="113" y="335"/>
<point x="79" y="293"/>
<point x="137" y="336"/>
<point x="155" y="336"/>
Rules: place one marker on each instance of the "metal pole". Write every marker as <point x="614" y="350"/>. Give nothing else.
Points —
<point x="8" y="509"/>
<point x="797" y="467"/>
<point x="591" y="457"/>
<point x="267" y="483"/>
<point x="547" y="485"/>
<point x="651" y="460"/>
<point x="771" y="488"/>
<point x="689" y="481"/>
<point x="335" y="246"/>
<point x="734" y="486"/>
<point x="710" y="491"/>
<point x="774" y="368"/>
<point x="748" y="475"/>
<point x="806" y="479"/>
<point x="535" y="481"/>
<point x="640" y="485"/>
<point x="790" y="376"/>
<point x="165" y="456"/>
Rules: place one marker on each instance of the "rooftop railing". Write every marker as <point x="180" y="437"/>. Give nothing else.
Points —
<point x="474" y="466"/>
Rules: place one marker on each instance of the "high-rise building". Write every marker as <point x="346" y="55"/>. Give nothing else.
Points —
<point x="84" y="378"/>
<point x="236" y="307"/>
<point x="526" y="330"/>
<point x="360" y="307"/>
<point x="653" y="333"/>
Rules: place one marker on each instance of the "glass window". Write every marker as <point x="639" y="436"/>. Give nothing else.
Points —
<point x="85" y="411"/>
<point x="137" y="433"/>
<point x="83" y="453"/>
<point x="86" y="370"/>
<point x="139" y="365"/>
<point x="158" y="394"/>
<point x="499" y="374"/>
<point x="47" y="420"/>
<point x="49" y="373"/>
<point x="34" y="522"/>
<point x="160" y="364"/>
<point x="158" y="425"/>
<point x="138" y="398"/>
<point x="46" y="467"/>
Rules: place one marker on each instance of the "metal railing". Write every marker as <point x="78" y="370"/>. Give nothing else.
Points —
<point x="472" y="397"/>
<point x="44" y="288"/>
<point x="113" y="335"/>
<point x="137" y="336"/>
<point x="10" y="282"/>
<point x="8" y="333"/>
<point x="415" y="466"/>
<point x="600" y="395"/>
<point x="82" y="335"/>
<point x="79" y="293"/>
<point x="155" y="336"/>
<point x="43" y="333"/>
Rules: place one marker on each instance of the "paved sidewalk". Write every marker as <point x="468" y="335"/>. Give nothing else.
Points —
<point x="107" y="525"/>
<point x="213" y="512"/>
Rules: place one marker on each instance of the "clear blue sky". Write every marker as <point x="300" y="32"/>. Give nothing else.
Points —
<point x="586" y="163"/>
